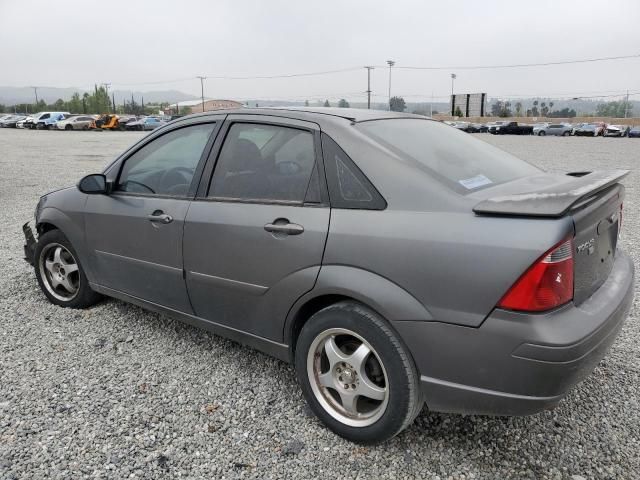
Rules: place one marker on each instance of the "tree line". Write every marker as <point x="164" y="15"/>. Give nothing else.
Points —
<point x="97" y="101"/>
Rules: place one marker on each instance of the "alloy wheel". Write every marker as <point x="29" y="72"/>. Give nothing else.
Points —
<point x="347" y="377"/>
<point x="59" y="272"/>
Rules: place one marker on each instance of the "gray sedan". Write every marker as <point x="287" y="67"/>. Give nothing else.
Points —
<point x="394" y="260"/>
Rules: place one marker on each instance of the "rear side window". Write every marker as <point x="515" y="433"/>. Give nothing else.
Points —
<point x="348" y="187"/>
<point x="456" y="159"/>
<point x="265" y="162"/>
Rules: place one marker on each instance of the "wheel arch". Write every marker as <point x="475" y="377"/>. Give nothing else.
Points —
<point x="72" y="227"/>
<point x="338" y="283"/>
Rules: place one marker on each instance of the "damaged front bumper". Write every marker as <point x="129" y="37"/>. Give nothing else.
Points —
<point x="30" y="244"/>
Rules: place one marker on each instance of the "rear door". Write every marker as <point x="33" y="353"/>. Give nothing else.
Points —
<point x="255" y="235"/>
<point x="135" y="233"/>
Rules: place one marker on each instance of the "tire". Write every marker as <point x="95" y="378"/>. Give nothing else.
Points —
<point x="542" y="133"/>
<point x="39" y="126"/>
<point x="55" y="257"/>
<point x="566" y="134"/>
<point x="387" y="372"/>
<point x="68" y="127"/>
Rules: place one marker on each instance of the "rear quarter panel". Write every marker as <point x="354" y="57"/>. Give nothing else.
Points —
<point x="457" y="265"/>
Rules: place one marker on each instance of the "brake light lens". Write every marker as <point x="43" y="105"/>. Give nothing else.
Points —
<point x="547" y="284"/>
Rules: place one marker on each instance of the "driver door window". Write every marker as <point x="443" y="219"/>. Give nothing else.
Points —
<point x="166" y="165"/>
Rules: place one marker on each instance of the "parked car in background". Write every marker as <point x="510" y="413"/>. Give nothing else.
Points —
<point x="464" y="126"/>
<point x="591" y="129"/>
<point x="49" y="119"/>
<point x="11" y="121"/>
<point x="540" y="128"/>
<point x="75" y="122"/>
<point x="147" y="123"/>
<point x="511" y="128"/>
<point x="577" y="126"/>
<point x="556" y="129"/>
<point x="634" y="132"/>
<point x="123" y="120"/>
<point x="479" y="128"/>
<point x="617" y="130"/>
<point x="22" y="123"/>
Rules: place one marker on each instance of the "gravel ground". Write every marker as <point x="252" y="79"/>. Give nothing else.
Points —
<point x="117" y="392"/>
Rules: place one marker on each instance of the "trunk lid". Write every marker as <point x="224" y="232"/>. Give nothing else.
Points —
<point x="594" y="202"/>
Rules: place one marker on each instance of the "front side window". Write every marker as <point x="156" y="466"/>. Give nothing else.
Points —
<point x="166" y="165"/>
<point x="264" y="162"/>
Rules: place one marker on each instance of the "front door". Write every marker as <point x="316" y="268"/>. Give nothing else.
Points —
<point x="135" y="233"/>
<point x="254" y="243"/>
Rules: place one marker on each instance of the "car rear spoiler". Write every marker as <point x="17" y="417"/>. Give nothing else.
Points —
<point x="552" y="201"/>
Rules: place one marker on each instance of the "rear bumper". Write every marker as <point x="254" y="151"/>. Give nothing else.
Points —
<point x="514" y="363"/>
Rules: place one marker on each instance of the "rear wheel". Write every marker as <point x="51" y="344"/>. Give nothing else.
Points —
<point x="60" y="274"/>
<point x="356" y="374"/>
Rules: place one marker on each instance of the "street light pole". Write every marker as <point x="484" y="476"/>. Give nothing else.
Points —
<point x="453" y="77"/>
<point x="202" y="79"/>
<point x="391" y="63"/>
<point x="369" y="86"/>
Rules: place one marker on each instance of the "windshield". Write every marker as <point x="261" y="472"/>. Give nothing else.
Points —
<point x="455" y="158"/>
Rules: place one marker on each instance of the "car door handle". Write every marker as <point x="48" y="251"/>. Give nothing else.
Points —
<point x="160" y="217"/>
<point x="283" y="226"/>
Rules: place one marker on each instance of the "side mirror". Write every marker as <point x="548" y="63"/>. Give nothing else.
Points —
<point x="93" y="184"/>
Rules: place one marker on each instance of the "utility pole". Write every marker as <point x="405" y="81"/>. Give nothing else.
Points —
<point x="626" y="105"/>
<point x="35" y="90"/>
<point x="391" y="63"/>
<point x="369" y="86"/>
<point x="431" y="105"/>
<point x="202" y="79"/>
<point x="106" y="86"/>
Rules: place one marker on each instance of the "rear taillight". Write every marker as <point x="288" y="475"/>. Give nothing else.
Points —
<point x="547" y="284"/>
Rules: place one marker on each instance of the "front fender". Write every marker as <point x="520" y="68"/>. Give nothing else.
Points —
<point x="71" y="223"/>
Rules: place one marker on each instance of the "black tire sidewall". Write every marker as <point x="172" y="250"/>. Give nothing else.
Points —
<point x="356" y="318"/>
<point x="85" y="296"/>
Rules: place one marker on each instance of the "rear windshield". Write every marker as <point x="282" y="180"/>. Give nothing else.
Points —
<point x="456" y="158"/>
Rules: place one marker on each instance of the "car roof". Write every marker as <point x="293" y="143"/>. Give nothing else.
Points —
<point x="316" y="113"/>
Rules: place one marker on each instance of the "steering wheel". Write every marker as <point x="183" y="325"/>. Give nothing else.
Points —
<point x="175" y="176"/>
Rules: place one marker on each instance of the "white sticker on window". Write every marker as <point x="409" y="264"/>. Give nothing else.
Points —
<point x="475" y="182"/>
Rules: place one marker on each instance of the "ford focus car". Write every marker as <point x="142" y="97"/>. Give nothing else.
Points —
<point x="395" y="261"/>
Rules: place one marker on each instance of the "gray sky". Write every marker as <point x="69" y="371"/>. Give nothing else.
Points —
<point x="133" y="44"/>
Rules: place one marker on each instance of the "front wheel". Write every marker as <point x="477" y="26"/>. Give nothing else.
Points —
<point x="356" y="374"/>
<point x="60" y="274"/>
<point x="542" y="133"/>
<point x="566" y="134"/>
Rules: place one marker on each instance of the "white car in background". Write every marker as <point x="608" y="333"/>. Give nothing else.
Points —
<point x="22" y="122"/>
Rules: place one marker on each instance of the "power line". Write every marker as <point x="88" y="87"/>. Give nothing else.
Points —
<point x="521" y="65"/>
<point x="284" y="75"/>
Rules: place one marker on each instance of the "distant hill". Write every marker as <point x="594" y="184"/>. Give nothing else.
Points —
<point x="15" y="95"/>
